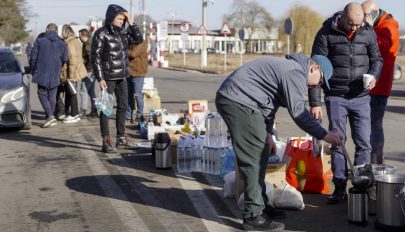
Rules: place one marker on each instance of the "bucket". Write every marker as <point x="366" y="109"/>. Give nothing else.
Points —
<point x="378" y="170"/>
<point x="390" y="202"/>
<point x="357" y="206"/>
<point x="163" y="159"/>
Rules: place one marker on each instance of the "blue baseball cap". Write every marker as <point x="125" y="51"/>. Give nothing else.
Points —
<point x="326" y="67"/>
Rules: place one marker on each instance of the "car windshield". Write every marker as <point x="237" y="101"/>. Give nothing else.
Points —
<point x="8" y="63"/>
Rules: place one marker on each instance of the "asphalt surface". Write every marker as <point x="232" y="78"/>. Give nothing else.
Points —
<point x="57" y="179"/>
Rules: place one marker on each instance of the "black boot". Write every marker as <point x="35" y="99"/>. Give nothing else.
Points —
<point x="107" y="145"/>
<point x="339" y="194"/>
<point x="261" y="223"/>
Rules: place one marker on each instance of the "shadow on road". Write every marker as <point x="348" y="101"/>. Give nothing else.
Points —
<point x="26" y="137"/>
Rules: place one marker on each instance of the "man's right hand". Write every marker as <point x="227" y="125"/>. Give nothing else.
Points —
<point x="333" y="137"/>
<point x="103" y="84"/>
<point x="316" y="112"/>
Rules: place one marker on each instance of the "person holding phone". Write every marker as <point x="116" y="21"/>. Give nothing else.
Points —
<point x="109" y="57"/>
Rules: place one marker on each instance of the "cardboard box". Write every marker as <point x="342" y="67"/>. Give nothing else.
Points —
<point x="151" y="103"/>
<point x="198" y="109"/>
<point x="275" y="174"/>
<point x="148" y="83"/>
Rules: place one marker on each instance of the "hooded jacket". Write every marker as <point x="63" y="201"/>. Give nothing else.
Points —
<point x="351" y="58"/>
<point x="386" y="28"/>
<point x="74" y="69"/>
<point x="110" y="47"/>
<point x="48" y="54"/>
<point x="267" y="83"/>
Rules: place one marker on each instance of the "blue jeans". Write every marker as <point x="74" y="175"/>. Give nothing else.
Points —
<point x="135" y="86"/>
<point x="357" y="110"/>
<point x="87" y="89"/>
<point x="47" y="97"/>
<point x="378" y="104"/>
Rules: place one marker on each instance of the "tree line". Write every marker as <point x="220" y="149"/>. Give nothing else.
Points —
<point x="12" y="21"/>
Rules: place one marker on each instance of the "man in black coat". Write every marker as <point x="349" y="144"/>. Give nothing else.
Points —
<point x="110" y="66"/>
<point x="351" y="46"/>
<point x="48" y="55"/>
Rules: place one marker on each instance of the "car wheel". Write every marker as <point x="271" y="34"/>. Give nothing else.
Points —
<point x="397" y="73"/>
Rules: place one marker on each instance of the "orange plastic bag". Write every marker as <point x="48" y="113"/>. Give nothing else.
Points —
<point x="304" y="171"/>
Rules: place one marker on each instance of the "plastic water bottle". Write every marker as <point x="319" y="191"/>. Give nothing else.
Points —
<point x="198" y="148"/>
<point x="188" y="154"/>
<point x="229" y="161"/>
<point x="204" y="152"/>
<point x="180" y="154"/>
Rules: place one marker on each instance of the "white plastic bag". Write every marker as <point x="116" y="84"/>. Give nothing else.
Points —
<point x="269" y="190"/>
<point x="105" y="102"/>
<point x="286" y="197"/>
<point x="229" y="186"/>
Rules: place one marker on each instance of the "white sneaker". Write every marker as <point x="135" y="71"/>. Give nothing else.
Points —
<point x="61" y="117"/>
<point x="71" y="119"/>
<point x="50" y="122"/>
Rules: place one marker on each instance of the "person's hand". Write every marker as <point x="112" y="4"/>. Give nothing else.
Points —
<point x="333" y="137"/>
<point x="271" y="145"/>
<point x="103" y="85"/>
<point x="372" y="84"/>
<point x="316" y="112"/>
<point x="128" y="18"/>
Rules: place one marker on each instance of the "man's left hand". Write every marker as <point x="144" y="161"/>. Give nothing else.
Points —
<point x="129" y="20"/>
<point x="372" y="84"/>
<point x="271" y="144"/>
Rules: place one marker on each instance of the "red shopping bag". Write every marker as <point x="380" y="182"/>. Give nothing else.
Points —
<point x="305" y="171"/>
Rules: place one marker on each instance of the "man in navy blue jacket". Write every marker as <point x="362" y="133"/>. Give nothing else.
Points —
<point x="48" y="55"/>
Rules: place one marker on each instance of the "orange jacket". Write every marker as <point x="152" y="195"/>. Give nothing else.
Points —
<point x="388" y="42"/>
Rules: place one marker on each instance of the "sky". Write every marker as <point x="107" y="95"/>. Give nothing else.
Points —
<point x="80" y="11"/>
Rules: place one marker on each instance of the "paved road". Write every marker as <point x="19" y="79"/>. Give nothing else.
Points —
<point x="56" y="179"/>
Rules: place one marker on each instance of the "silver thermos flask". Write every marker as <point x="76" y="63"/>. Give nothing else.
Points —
<point x="357" y="206"/>
<point x="163" y="159"/>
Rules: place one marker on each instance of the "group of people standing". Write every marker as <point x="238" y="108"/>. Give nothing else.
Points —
<point x="361" y="39"/>
<point x="116" y="56"/>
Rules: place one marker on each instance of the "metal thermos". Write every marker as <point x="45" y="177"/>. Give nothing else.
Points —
<point x="357" y="206"/>
<point x="163" y="159"/>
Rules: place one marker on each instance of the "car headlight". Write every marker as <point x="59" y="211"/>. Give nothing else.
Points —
<point x="13" y="95"/>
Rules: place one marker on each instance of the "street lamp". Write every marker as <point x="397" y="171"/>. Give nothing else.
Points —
<point x="203" y="45"/>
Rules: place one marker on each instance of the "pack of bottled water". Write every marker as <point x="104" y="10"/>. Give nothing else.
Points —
<point x="217" y="132"/>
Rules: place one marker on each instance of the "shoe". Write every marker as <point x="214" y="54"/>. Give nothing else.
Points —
<point x="83" y="114"/>
<point x="125" y="143"/>
<point x="261" y="223"/>
<point x="93" y="114"/>
<point x="339" y="194"/>
<point x="50" y="122"/>
<point x="61" y="117"/>
<point x="71" y="119"/>
<point x="107" y="145"/>
<point x="274" y="213"/>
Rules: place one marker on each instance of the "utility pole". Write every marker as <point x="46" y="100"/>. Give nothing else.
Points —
<point x="143" y="18"/>
<point x="130" y="9"/>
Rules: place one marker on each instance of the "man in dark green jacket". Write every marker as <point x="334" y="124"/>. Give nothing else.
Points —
<point x="248" y="100"/>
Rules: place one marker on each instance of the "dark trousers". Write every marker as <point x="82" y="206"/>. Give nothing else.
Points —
<point x="378" y="104"/>
<point x="60" y="105"/>
<point x="248" y="133"/>
<point x="47" y="97"/>
<point x="71" y="102"/>
<point x="357" y="110"/>
<point x="119" y="88"/>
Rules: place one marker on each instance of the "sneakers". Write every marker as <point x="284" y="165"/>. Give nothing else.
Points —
<point x="50" y="122"/>
<point x="71" y="119"/>
<point x="61" y="117"/>
<point x="339" y="194"/>
<point x="125" y="143"/>
<point x="261" y="223"/>
<point x="107" y="145"/>
<point x="274" y="213"/>
<point x="93" y="114"/>
<point x="83" y="114"/>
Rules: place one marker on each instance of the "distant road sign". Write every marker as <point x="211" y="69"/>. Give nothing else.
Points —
<point x="185" y="27"/>
<point x="241" y="34"/>
<point x="288" y="26"/>
<point x="163" y="29"/>
<point x="225" y="29"/>
<point x="202" y="30"/>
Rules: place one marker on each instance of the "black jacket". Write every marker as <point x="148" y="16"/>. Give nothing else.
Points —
<point x="109" y="48"/>
<point x="351" y="58"/>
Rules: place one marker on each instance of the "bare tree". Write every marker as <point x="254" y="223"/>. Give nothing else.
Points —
<point x="250" y="15"/>
<point x="306" y="24"/>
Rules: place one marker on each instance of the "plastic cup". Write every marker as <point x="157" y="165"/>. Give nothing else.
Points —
<point x="367" y="78"/>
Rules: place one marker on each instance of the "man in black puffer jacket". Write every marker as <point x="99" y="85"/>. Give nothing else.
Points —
<point x="110" y="67"/>
<point x="351" y="46"/>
